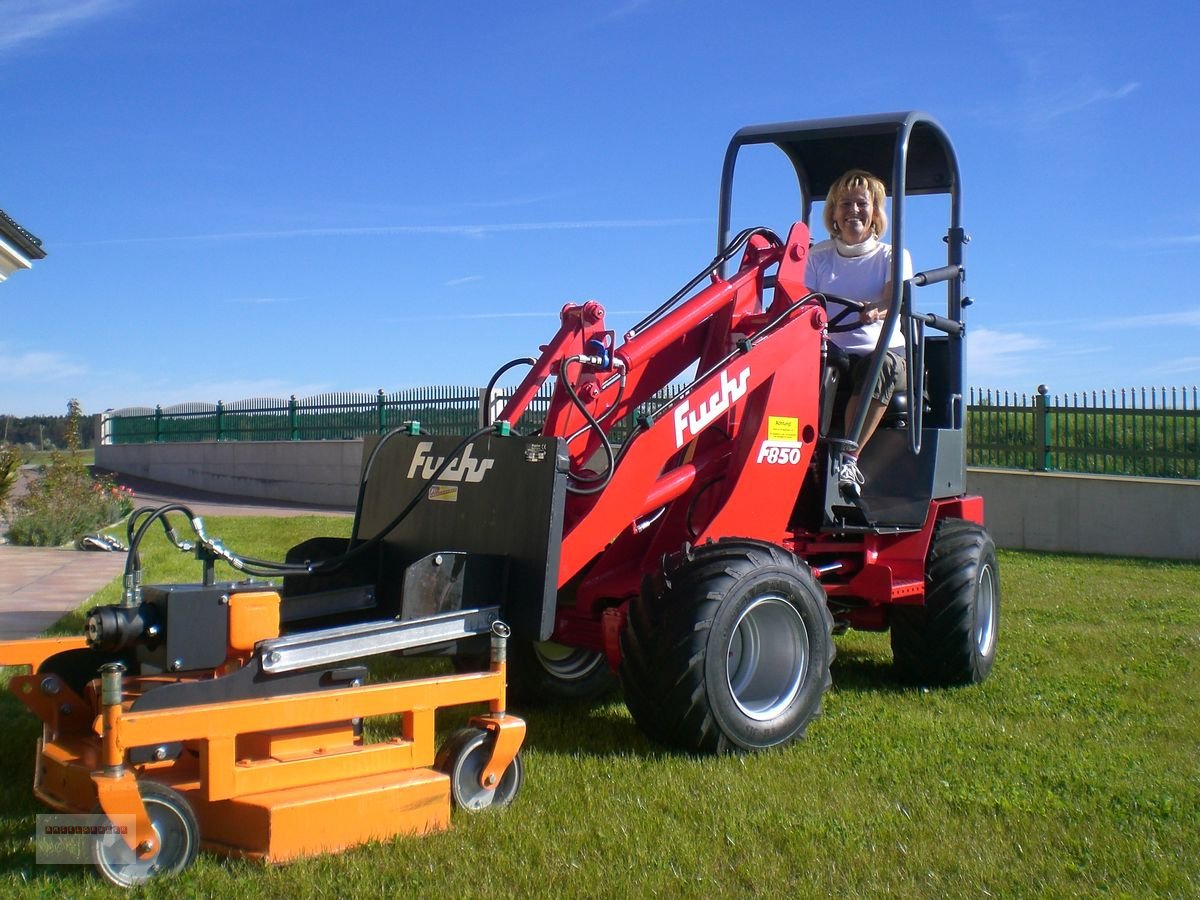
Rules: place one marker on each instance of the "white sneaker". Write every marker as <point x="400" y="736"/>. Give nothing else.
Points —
<point x="850" y="479"/>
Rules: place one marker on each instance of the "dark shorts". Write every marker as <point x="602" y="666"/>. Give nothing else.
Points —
<point x="893" y="374"/>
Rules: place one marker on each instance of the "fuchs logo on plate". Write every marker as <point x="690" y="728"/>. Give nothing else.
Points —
<point x="465" y="468"/>
<point x="688" y="423"/>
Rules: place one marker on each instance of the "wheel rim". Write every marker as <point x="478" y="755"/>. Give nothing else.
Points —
<point x="120" y="865"/>
<point x="985" y="612"/>
<point x="469" y="763"/>
<point x="767" y="658"/>
<point x="567" y="663"/>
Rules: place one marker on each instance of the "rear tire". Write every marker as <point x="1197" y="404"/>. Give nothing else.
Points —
<point x="728" y="650"/>
<point x="952" y="638"/>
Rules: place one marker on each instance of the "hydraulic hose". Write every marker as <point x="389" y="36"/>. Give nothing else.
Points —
<point x="741" y="238"/>
<point x="362" y="484"/>
<point x="487" y="392"/>
<point x="600" y="481"/>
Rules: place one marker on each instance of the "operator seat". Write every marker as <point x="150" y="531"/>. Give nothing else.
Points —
<point x="836" y="390"/>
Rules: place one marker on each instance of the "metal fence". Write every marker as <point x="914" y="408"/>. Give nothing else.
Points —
<point x="324" y="417"/>
<point x="1143" y="431"/>
<point x="439" y="410"/>
<point x="1137" y="431"/>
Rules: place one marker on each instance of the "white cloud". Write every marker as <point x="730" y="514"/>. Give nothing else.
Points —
<point x="1003" y="354"/>
<point x="230" y="391"/>
<point x="1179" y="318"/>
<point x="263" y="300"/>
<point x="37" y="365"/>
<point x="1183" y="365"/>
<point x="1171" y="242"/>
<point x="628" y="8"/>
<point x="544" y="314"/>
<point x="455" y="230"/>
<point x="26" y="21"/>
<point x="466" y="279"/>
<point x="1053" y="54"/>
<point x="1044" y="108"/>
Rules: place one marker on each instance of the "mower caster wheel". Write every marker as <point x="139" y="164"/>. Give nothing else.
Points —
<point x="463" y="757"/>
<point x="178" y="839"/>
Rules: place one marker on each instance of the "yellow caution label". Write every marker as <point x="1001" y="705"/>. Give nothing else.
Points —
<point x="782" y="428"/>
<point x="448" y="492"/>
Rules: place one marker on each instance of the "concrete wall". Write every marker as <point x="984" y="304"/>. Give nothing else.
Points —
<point x="318" y="472"/>
<point x="1150" y="517"/>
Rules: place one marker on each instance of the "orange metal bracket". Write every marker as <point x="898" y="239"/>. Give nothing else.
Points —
<point x="510" y="734"/>
<point x="48" y="698"/>
<point x="35" y="651"/>
<point x="119" y="796"/>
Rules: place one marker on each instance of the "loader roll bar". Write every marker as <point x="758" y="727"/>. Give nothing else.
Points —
<point x="912" y="154"/>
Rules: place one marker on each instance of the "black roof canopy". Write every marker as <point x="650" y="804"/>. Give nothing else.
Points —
<point x="905" y="149"/>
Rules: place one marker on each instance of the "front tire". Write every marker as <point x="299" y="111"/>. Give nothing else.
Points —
<point x="952" y="638"/>
<point x="728" y="650"/>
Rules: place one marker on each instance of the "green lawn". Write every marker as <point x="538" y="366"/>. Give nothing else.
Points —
<point x="1072" y="770"/>
<point x="41" y="457"/>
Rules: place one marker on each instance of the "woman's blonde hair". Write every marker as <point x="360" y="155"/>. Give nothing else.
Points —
<point x="856" y="178"/>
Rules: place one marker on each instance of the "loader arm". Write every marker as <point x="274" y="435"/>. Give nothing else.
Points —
<point x="727" y="455"/>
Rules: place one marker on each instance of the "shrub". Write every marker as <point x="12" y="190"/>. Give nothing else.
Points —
<point x="10" y="467"/>
<point x="66" y="502"/>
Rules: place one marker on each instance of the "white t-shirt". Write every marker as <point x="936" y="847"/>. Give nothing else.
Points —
<point x="856" y="278"/>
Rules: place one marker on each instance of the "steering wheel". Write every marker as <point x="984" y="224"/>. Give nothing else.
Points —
<point x="837" y="324"/>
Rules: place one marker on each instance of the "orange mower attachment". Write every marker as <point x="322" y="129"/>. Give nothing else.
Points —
<point x="213" y="759"/>
<point x="230" y="715"/>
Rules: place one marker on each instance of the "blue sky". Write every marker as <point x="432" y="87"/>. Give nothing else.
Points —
<point x="272" y="198"/>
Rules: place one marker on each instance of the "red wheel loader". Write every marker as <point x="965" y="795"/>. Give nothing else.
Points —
<point x="705" y="554"/>
<point x="708" y="555"/>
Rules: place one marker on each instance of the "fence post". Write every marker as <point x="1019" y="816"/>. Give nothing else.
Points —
<point x="158" y="424"/>
<point x="1041" y="429"/>
<point x="293" y="424"/>
<point x="220" y="420"/>
<point x="381" y="411"/>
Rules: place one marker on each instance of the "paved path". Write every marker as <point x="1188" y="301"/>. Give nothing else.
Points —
<point x="38" y="585"/>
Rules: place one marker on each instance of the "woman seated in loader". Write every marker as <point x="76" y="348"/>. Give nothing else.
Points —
<point x="854" y="263"/>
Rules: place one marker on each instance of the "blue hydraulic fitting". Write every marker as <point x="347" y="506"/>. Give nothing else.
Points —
<point x="601" y="353"/>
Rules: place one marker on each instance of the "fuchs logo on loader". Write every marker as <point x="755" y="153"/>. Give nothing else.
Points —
<point x="690" y="424"/>
<point x="462" y="469"/>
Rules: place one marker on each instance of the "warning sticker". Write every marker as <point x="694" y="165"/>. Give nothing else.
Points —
<point x="448" y="492"/>
<point x="782" y="428"/>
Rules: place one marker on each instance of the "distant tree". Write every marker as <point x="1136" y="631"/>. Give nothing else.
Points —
<point x="45" y="432"/>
